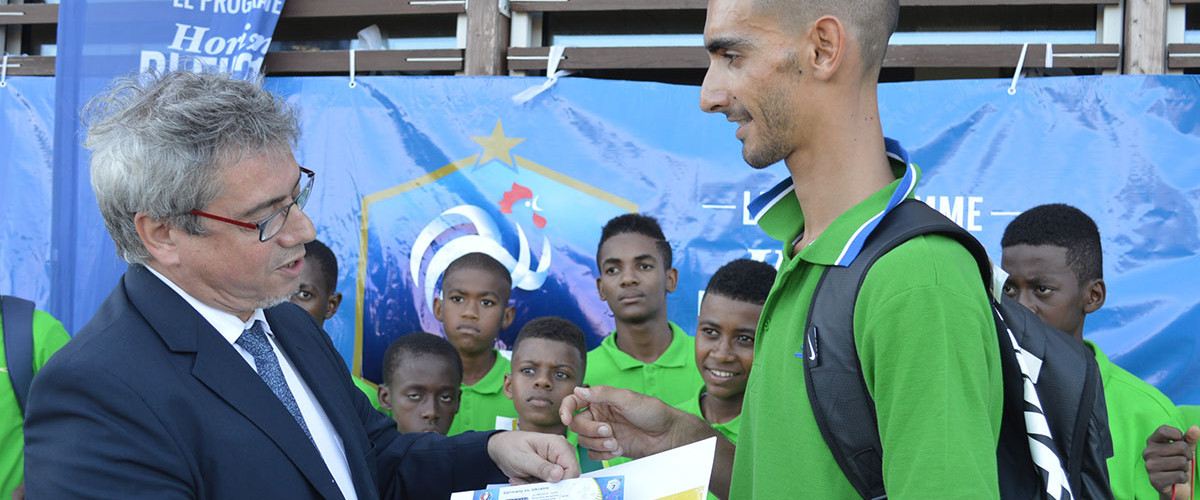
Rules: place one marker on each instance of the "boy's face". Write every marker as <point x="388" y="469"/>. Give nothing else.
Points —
<point x="725" y="344"/>
<point x="1040" y="278"/>
<point x="543" y="373"/>
<point x="423" y="395"/>
<point x="322" y="304"/>
<point x="633" y="278"/>
<point x="473" y="309"/>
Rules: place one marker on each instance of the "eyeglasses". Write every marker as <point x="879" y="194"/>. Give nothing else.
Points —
<point x="271" y="225"/>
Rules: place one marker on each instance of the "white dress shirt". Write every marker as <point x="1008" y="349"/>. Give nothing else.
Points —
<point x="328" y="442"/>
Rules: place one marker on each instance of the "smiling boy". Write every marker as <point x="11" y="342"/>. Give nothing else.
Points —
<point x="1053" y="256"/>
<point x="473" y="309"/>
<point x="725" y="330"/>
<point x="646" y="353"/>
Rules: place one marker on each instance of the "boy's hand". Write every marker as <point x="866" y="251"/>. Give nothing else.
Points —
<point x="531" y="457"/>
<point x="1168" y="454"/>
<point x="614" y="422"/>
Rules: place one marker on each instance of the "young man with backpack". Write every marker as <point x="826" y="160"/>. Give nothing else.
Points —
<point x="27" y="339"/>
<point x="799" y="77"/>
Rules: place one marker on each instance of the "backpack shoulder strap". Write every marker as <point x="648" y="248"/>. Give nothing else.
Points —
<point x="843" y="408"/>
<point x="17" y="317"/>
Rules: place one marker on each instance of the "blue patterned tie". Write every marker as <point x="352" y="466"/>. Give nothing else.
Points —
<point x="254" y="341"/>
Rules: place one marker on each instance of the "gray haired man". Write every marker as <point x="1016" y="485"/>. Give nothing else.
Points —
<point x="196" y="378"/>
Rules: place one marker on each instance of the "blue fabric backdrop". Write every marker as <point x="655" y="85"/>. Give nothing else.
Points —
<point x="412" y="170"/>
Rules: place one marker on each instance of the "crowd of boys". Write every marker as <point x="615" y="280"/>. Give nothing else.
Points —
<point x="459" y="381"/>
<point x="1051" y="253"/>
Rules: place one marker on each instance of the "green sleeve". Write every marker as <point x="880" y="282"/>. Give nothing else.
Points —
<point x="48" y="337"/>
<point x="927" y="343"/>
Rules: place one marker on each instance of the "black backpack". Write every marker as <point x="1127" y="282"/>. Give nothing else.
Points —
<point x="1067" y="384"/>
<point x="17" y="317"/>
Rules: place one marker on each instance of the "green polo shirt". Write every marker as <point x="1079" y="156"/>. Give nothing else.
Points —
<point x="482" y="402"/>
<point x="48" y="337"/>
<point x="1135" y="410"/>
<point x="369" y="389"/>
<point x="671" y="377"/>
<point x="927" y="343"/>
<point x="728" y="429"/>
<point x="1189" y="415"/>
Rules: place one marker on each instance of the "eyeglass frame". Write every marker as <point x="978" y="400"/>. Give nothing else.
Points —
<point x="300" y="199"/>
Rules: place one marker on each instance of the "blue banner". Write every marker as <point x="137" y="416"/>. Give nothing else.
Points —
<point x="412" y="171"/>
<point x="98" y="40"/>
<point x="26" y="162"/>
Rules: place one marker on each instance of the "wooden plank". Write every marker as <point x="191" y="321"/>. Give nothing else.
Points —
<point x="31" y="65"/>
<point x="1145" y="37"/>
<point x="534" y="58"/>
<point x="33" y="13"/>
<point x="622" y="5"/>
<point x="338" y="61"/>
<point x="487" y="39"/>
<point x="351" y="8"/>
<point x="1103" y="56"/>
<point x="1183" y="55"/>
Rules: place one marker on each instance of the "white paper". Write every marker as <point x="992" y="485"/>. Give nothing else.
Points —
<point x="678" y="474"/>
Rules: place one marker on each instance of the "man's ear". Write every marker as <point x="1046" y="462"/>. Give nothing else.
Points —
<point x="1095" y="294"/>
<point x="600" y="289"/>
<point x="672" y="279"/>
<point x="437" y="309"/>
<point x="828" y="46"/>
<point x="508" y="386"/>
<point x="385" y="397"/>
<point x="331" y="307"/>
<point x="158" y="238"/>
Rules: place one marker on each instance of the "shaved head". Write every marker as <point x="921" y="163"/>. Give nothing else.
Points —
<point x="870" y="22"/>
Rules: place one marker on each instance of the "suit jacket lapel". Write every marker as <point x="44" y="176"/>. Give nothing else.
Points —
<point x="219" y="367"/>
<point x="326" y="385"/>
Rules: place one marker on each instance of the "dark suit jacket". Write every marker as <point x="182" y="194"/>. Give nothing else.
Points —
<point x="149" y="401"/>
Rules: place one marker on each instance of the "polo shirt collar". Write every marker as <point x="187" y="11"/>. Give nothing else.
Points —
<point x="676" y="355"/>
<point x="779" y="215"/>
<point x="493" y="381"/>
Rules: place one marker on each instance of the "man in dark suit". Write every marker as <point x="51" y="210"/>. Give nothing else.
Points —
<point x="197" y="379"/>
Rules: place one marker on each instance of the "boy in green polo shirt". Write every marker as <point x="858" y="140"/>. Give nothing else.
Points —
<point x="319" y="296"/>
<point x="548" y="361"/>
<point x="1053" y="256"/>
<point x="725" y="330"/>
<point x="473" y="308"/>
<point x="646" y="353"/>
<point x="48" y="337"/>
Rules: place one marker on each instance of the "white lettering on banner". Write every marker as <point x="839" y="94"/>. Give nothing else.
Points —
<point x="952" y="208"/>
<point x="762" y="254"/>
<point x="170" y="61"/>
<point x="747" y="220"/>
<point x="231" y="6"/>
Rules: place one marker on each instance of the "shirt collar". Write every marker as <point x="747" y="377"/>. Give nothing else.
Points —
<point x="493" y="381"/>
<point x="778" y="213"/>
<point x="676" y="354"/>
<point x="229" y="326"/>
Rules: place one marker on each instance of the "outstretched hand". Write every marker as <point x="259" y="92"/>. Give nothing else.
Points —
<point x="614" y="422"/>
<point x="1168" y="455"/>
<point x="532" y="457"/>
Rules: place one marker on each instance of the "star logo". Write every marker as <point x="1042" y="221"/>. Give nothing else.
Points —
<point x="497" y="146"/>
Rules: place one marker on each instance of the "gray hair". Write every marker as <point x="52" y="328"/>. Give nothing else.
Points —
<point x="159" y="141"/>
